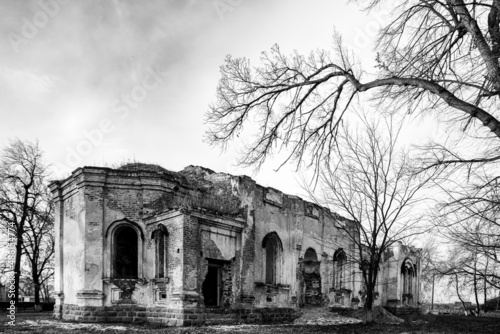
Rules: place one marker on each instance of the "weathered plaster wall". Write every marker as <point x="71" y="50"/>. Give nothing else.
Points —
<point x="73" y="232"/>
<point x="90" y="202"/>
<point x="300" y="225"/>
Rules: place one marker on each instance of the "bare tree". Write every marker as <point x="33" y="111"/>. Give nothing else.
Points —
<point x="459" y="284"/>
<point x="465" y="269"/>
<point x="38" y="245"/>
<point x="468" y="219"/>
<point x="434" y="57"/>
<point x="372" y="183"/>
<point x="22" y="175"/>
<point x="428" y="255"/>
<point x="439" y="57"/>
<point x="46" y="291"/>
<point x="485" y="286"/>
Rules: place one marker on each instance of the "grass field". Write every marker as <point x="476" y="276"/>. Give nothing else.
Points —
<point x="41" y="323"/>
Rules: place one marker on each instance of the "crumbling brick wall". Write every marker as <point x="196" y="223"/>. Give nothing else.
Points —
<point x="208" y="216"/>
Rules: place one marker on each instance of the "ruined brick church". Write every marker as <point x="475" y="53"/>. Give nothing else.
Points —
<point x="141" y="243"/>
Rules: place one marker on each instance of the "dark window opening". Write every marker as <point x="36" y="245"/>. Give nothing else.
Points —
<point x="310" y="255"/>
<point x="212" y="286"/>
<point x="273" y="247"/>
<point x="126" y="253"/>
<point x="271" y="250"/>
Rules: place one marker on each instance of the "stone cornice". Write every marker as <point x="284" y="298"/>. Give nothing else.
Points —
<point x="115" y="178"/>
<point x="227" y="223"/>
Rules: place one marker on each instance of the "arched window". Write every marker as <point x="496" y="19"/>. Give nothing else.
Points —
<point x="310" y="255"/>
<point x="339" y="269"/>
<point x="408" y="272"/>
<point x="125" y="255"/>
<point x="273" y="246"/>
<point x="160" y="236"/>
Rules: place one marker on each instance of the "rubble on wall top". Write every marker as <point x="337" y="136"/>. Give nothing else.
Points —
<point x="216" y="185"/>
<point x="196" y="176"/>
<point x="139" y="166"/>
<point x="192" y="169"/>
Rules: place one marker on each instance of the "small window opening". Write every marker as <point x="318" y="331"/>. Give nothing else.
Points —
<point x="161" y="250"/>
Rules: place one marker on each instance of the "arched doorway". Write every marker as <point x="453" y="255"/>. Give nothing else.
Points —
<point x="312" y="278"/>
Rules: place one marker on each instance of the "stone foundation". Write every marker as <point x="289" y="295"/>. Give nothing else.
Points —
<point x="175" y="317"/>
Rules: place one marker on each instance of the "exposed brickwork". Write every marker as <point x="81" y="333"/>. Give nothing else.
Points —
<point x="177" y="317"/>
<point x="247" y="263"/>
<point x="227" y="285"/>
<point x="191" y="253"/>
<point x="312" y="283"/>
<point x="301" y="281"/>
<point x="121" y="313"/>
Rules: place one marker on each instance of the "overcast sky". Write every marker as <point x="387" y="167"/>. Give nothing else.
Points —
<point x="138" y="76"/>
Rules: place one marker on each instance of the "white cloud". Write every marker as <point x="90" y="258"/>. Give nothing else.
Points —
<point x="31" y="83"/>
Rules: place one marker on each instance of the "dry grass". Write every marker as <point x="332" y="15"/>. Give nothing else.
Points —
<point x="425" y="324"/>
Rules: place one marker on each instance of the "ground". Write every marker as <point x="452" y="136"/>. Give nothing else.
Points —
<point x="324" y="323"/>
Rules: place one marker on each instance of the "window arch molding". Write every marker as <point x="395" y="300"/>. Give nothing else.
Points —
<point x="111" y="243"/>
<point x="160" y="227"/>
<point x="408" y="267"/>
<point x="339" y="255"/>
<point x="269" y="236"/>
<point x="272" y="258"/>
<point x="112" y="227"/>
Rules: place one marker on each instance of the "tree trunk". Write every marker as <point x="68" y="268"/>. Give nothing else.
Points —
<point x="367" y="314"/>
<point x="485" y="293"/>
<point x="459" y="297"/>
<point x="367" y="308"/>
<point x="432" y="298"/>
<point x="498" y="301"/>
<point x="17" y="267"/>
<point x="475" y="291"/>
<point x="480" y="42"/>
<point x="36" y="283"/>
<point x="485" y="290"/>
<point x="45" y="289"/>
